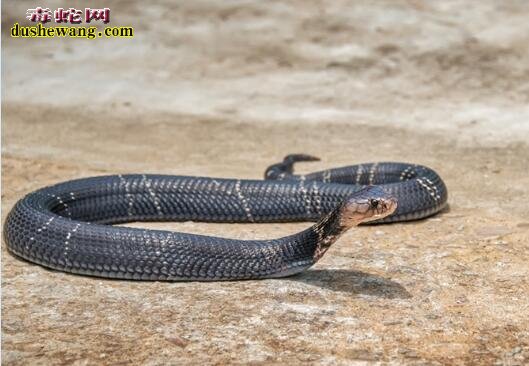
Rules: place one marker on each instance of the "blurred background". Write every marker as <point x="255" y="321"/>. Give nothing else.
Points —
<point x="228" y="88"/>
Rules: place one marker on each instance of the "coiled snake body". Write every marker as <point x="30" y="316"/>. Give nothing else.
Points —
<point x="67" y="226"/>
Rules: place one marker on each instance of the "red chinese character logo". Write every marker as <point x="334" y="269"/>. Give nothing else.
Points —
<point x="76" y="16"/>
<point x="71" y="15"/>
<point x="61" y="15"/>
<point x="39" y="14"/>
<point x="97" y="14"/>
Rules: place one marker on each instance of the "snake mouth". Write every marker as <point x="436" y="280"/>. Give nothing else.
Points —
<point x="370" y="204"/>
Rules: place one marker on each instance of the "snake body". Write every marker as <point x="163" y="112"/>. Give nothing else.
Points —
<point x="67" y="226"/>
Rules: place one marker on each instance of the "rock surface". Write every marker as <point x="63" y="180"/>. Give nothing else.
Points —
<point x="225" y="89"/>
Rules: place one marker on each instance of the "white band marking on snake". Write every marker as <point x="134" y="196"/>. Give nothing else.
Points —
<point x="306" y="198"/>
<point x="317" y="197"/>
<point x="130" y="197"/>
<point x="372" y="171"/>
<point x="243" y="200"/>
<point x="429" y="189"/>
<point x="327" y="176"/>
<point x="152" y="193"/>
<point x="359" y="172"/>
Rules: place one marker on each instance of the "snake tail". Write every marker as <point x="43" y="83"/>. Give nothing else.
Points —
<point x="286" y="167"/>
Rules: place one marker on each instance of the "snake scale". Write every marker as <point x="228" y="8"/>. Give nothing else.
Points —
<point x="67" y="226"/>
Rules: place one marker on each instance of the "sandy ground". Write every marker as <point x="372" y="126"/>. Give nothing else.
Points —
<point x="225" y="89"/>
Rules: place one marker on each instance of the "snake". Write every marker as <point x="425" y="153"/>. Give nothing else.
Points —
<point x="71" y="226"/>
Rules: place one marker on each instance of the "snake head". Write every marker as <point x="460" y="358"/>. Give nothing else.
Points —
<point x="369" y="204"/>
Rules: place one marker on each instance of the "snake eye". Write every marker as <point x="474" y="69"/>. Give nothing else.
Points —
<point x="374" y="203"/>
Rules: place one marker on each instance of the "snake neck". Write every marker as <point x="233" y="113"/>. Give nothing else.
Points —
<point x="328" y="230"/>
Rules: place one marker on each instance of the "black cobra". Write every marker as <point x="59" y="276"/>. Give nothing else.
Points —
<point x="67" y="226"/>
